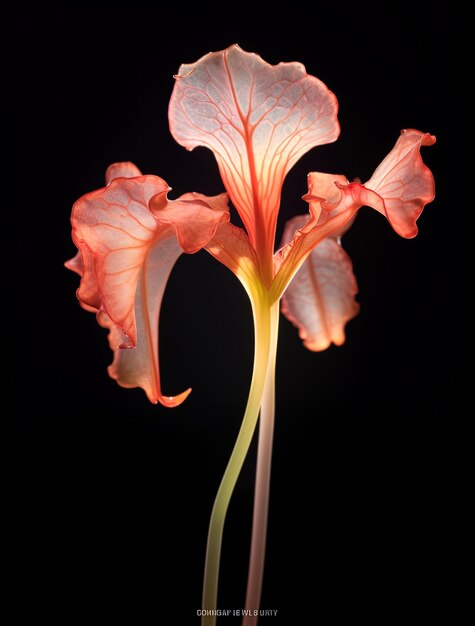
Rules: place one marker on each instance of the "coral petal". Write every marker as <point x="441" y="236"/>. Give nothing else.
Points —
<point x="404" y="182"/>
<point x="257" y="118"/>
<point x="399" y="189"/>
<point x="75" y="264"/>
<point x="217" y="203"/>
<point x="324" y="220"/>
<point x="113" y="228"/>
<point x="126" y="254"/>
<point x="320" y="298"/>
<point x="173" y="401"/>
<point x="323" y="186"/>
<point x="194" y="221"/>
<point x="139" y="367"/>
<point x="231" y="246"/>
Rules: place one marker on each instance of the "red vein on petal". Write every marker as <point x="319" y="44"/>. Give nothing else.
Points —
<point x="260" y="238"/>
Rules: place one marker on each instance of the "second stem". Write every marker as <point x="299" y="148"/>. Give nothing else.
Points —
<point x="263" y="472"/>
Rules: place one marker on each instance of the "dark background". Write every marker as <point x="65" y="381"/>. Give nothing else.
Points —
<point x="111" y="495"/>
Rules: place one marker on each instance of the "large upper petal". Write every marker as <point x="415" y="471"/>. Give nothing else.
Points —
<point x="127" y="251"/>
<point x="258" y="119"/>
<point x="320" y="299"/>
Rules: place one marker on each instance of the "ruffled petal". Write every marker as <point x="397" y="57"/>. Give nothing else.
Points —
<point x="399" y="189"/>
<point x="139" y="367"/>
<point x="258" y="119"/>
<point x="324" y="220"/>
<point x="83" y="264"/>
<point x="404" y="182"/>
<point x="324" y="187"/>
<point x="114" y="228"/>
<point x="320" y="299"/>
<point x="230" y="245"/>
<point x="194" y="220"/>
<point x="127" y="252"/>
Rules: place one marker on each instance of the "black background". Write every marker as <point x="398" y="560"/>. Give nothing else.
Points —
<point x="111" y="494"/>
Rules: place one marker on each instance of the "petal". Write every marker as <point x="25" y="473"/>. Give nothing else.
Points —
<point x="320" y="299"/>
<point x="194" y="221"/>
<point x="83" y="263"/>
<point x="217" y="203"/>
<point x="126" y="255"/>
<point x="325" y="187"/>
<point x="139" y="367"/>
<point x="404" y="182"/>
<point x="231" y="246"/>
<point x="124" y="169"/>
<point x="399" y="189"/>
<point x="324" y="220"/>
<point x="258" y="119"/>
<point x="114" y="228"/>
<point x="76" y="264"/>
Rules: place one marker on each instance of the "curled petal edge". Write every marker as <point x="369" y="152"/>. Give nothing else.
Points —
<point x="399" y="189"/>
<point x="139" y="246"/>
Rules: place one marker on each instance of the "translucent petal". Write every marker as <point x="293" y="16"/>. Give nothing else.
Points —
<point x="258" y="119"/>
<point x="320" y="299"/>
<point x="126" y="254"/>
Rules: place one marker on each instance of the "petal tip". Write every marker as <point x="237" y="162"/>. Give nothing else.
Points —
<point x="429" y="140"/>
<point x="70" y="265"/>
<point x="410" y="233"/>
<point x="426" y="138"/>
<point x="316" y="346"/>
<point x="171" y="401"/>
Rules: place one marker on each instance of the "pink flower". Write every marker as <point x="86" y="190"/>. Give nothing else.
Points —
<point x="258" y="120"/>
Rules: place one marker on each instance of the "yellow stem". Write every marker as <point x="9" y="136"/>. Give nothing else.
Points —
<point x="262" y="325"/>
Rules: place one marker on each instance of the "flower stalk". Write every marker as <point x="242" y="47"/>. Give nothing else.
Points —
<point x="265" y="344"/>
<point x="258" y="120"/>
<point x="262" y="485"/>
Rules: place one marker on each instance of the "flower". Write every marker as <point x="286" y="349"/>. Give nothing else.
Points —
<point x="258" y="120"/>
<point x="319" y="300"/>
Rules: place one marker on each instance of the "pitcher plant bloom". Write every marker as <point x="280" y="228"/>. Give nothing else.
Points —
<point x="258" y="120"/>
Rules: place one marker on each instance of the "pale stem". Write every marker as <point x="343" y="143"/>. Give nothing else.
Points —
<point x="261" y="493"/>
<point x="262" y="326"/>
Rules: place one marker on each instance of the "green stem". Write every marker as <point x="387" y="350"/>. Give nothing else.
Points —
<point x="262" y="326"/>
<point x="261" y="493"/>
